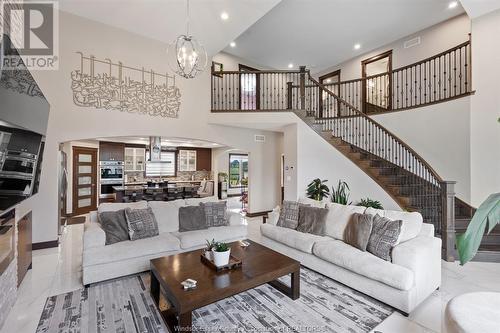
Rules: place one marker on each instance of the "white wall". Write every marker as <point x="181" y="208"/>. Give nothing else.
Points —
<point x="434" y="40"/>
<point x="485" y="107"/>
<point x="440" y="134"/>
<point x="68" y="122"/>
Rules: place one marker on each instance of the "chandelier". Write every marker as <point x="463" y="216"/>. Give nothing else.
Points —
<point x="186" y="56"/>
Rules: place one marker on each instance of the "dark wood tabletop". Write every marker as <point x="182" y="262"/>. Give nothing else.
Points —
<point x="260" y="265"/>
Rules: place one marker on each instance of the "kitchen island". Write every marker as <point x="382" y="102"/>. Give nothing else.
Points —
<point x="141" y="191"/>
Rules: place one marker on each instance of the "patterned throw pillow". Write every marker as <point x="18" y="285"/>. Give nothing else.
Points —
<point x="215" y="213"/>
<point x="141" y="223"/>
<point x="289" y="214"/>
<point x="384" y="236"/>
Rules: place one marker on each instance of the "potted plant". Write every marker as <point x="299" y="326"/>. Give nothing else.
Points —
<point x="341" y="194"/>
<point x="222" y="176"/>
<point x="486" y="217"/>
<point x="370" y="203"/>
<point x="317" y="190"/>
<point x="221" y="252"/>
<point x="208" y="249"/>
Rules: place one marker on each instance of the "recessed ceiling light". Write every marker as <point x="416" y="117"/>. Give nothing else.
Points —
<point x="357" y="46"/>
<point x="224" y="16"/>
<point x="290" y="65"/>
<point x="232" y="44"/>
<point x="452" y="4"/>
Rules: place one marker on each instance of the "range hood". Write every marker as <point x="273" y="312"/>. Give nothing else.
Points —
<point x="154" y="148"/>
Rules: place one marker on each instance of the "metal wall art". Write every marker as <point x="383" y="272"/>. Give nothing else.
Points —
<point x="114" y="86"/>
<point x="21" y="81"/>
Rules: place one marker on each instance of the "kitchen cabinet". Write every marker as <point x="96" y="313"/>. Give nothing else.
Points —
<point x="187" y="160"/>
<point x="111" y="151"/>
<point x="135" y="159"/>
<point x="24" y="247"/>
<point x="203" y="159"/>
<point x="24" y="141"/>
<point x="196" y="159"/>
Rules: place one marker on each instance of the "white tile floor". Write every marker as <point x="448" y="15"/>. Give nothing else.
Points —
<point x="58" y="270"/>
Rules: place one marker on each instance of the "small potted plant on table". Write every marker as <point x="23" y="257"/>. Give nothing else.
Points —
<point x="221" y="252"/>
<point x="208" y="249"/>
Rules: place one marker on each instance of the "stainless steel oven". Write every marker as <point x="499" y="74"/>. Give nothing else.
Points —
<point x="111" y="174"/>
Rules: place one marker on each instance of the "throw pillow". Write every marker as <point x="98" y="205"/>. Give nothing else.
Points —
<point x="358" y="230"/>
<point x="289" y="214"/>
<point x="384" y="236"/>
<point x="192" y="218"/>
<point x="215" y="213"/>
<point x="114" y="225"/>
<point x="312" y="220"/>
<point x="141" y="223"/>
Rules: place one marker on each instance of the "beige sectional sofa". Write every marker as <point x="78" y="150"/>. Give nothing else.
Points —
<point x="413" y="274"/>
<point x="103" y="262"/>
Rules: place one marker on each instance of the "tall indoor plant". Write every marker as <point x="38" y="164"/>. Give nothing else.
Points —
<point x="487" y="215"/>
<point x="317" y="190"/>
<point x="341" y="194"/>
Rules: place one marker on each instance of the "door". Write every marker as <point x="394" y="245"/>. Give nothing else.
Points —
<point x="84" y="180"/>
<point x="327" y="108"/>
<point x="377" y="83"/>
<point x="249" y="89"/>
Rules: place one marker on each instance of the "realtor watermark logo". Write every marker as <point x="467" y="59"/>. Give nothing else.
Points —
<point x="33" y="29"/>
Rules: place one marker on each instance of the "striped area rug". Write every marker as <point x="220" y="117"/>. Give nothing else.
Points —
<point x="125" y="306"/>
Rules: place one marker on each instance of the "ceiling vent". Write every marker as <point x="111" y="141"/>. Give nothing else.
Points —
<point x="260" y="138"/>
<point x="412" y="42"/>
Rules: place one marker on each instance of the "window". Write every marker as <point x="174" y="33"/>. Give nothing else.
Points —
<point x="164" y="167"/>
<point x="249" y="88"/>
<point x="238" y="170"/>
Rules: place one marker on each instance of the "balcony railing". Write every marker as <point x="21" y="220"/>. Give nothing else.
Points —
<point x="439" y="78"/>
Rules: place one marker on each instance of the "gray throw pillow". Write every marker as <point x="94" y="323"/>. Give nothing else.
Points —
<point x="215" y="213"/>
<point x="141" y="223"/>
<point x="289" y="214"/>
<point x="384" y="236"/>
<point x="192" y="218"/>
<point x="312" y="220"/>
<point x="114" y="225"/>
<point x="358" y="230"/>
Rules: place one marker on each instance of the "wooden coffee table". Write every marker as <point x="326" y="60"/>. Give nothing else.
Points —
<point x="260" y="265"/>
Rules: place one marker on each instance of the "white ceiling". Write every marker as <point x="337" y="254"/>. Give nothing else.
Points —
<point x="165" y="141"/>
<point x="476" y="8"/>
<point x="164" y="20"/>
<point x="322" y="33"/>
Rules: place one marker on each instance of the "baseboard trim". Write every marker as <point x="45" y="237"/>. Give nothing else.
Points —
<point x="256" y="214"/>
<point x="44" y="245"/>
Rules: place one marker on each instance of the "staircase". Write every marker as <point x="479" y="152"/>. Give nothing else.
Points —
<point x="387" y="159"/>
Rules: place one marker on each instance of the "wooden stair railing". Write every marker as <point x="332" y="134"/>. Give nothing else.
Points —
<point x="436" y="79"/>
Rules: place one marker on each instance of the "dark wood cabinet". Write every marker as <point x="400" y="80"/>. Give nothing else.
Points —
<point x="203" y="159"/>
<point x="24" y="247"/>
<point x="25" y="141"/>
<point x="111" y="151"/>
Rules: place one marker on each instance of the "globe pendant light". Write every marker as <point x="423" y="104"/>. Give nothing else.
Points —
<point x="186" y="56"/>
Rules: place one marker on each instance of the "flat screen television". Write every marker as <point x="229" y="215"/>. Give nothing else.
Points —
<point x="24" y="115"/>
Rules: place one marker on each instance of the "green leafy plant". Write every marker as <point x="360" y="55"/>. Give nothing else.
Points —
<point x="221" y="247"/>
<point x="222" y="176"/>
<point x="487" y="215"/>
<point x="210" y="244"/>
<point x="370" y="203"/>
<point x="341" y="194"/>
<point x="317" y="190"/>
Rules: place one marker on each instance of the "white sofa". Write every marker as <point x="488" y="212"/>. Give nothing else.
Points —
<point x="103" y="262"/>
<point x="413" y="274"/>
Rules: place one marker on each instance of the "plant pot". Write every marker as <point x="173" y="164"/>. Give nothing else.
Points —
<point x="209" y="255"/>
<point x="221" y="258"/>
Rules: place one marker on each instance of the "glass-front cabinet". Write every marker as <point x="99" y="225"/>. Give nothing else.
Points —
<point x="134" y="159"/>
<point x="187" y="160"/>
